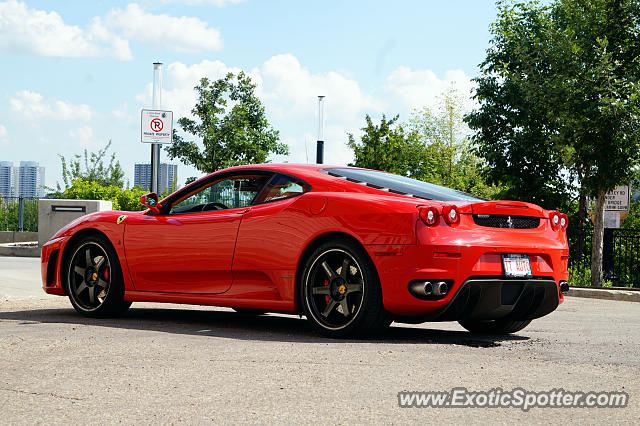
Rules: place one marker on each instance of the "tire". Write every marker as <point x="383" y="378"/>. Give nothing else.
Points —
<point x="494" y="327"/>
<point x="93" y="278"/>
<point x="249" y="311"/>
<point x="340" y="291"/>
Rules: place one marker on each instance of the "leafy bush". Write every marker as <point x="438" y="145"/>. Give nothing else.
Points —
<point x="122" y="199"/>
<point x="9" y="214"/>
<point x="633" y="219"/>
<point x="580" y="276"/>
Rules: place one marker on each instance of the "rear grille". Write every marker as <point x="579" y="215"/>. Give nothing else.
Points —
<point x="506" y="221"/>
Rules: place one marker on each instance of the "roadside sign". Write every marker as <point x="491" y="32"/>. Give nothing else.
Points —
<point x="617" y="200"/>
<point x="156" y="126"/>
<point x="616" y="206"/>
<point x="612" y="219"/>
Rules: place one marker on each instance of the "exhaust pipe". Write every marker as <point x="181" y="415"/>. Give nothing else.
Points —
<point x="427" y="288"/>
<point x="564" y="287"/>
<point x="440" y="288"/>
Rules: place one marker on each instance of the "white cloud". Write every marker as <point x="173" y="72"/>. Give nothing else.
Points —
<point x="31" y="31"/>
<point x="37" y="32"/>
<point x="180" y="79"/>
<point x="84" y="138"/>
<point x="219" y="3"/>
<point x="289" y="92"/>
<point x="293" y="89"/>
<point x="182" y="34"/>
<point x="34" y="107"/>
<point x="4" y="134"/>
<point x="83" y="133"/>
<point x="414" y="89"/>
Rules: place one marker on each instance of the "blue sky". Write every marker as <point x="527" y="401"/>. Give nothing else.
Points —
<point x="75" y="74"/>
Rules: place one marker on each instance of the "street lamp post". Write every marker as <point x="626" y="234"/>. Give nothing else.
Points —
<point x="320" y="145"/>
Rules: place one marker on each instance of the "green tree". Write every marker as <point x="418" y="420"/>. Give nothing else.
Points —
<point x="231" y="124"/>
<point x="559" y="102"/>
<point x="387" y="147"/>
<point x="92" y="167"/>
<point x="511" y="126"/>
<point x="448" y="157"/>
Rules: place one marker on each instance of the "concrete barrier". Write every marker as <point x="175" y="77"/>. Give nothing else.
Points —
<point x="29" y="249"/>
<point x="604" y="293"/>
<point x="17" y="237"/>
<point x="53" y="214"/>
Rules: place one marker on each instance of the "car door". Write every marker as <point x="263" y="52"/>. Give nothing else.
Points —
<point x="269" y="240"/>
<point x="189" y="246"/>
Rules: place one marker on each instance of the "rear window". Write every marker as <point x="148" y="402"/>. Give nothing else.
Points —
<point x="401" y="185"/>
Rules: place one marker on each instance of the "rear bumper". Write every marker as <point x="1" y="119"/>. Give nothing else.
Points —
<point x="495" y="298"/>
<point x="472" y="272"/>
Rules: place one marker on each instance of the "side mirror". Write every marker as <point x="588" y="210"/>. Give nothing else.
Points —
<point x="151" y="200"/>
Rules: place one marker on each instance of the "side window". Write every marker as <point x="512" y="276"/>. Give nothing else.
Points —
<point x="281" y="187"/>
<point x="230" y="193"/>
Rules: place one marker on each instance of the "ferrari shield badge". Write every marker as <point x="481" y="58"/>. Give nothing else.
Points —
<point x="121" y="219"/>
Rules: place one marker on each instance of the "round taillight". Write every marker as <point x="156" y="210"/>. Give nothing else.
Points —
<point x="451" y="214"/>
<point x="564" y="221"/>
<point x="429" y="215"/>
<point x="555" y="219"/>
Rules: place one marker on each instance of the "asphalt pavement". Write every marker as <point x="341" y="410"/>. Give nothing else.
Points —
<point x="20" y="278"/>
<point x="192" y="364"/>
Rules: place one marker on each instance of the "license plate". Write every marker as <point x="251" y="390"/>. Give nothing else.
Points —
<point x="516" y="265"/>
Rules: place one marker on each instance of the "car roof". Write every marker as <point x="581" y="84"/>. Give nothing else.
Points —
<point x="303" y="171"/>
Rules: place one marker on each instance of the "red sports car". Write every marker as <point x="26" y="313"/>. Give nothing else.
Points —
<point x="351" y="249"/>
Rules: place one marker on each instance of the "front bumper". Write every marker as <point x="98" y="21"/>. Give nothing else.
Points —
<point x="50" y="265"/>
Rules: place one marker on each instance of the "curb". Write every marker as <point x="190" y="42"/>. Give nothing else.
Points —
<point x="14" y="250"/>
<point x="593" y="293"/>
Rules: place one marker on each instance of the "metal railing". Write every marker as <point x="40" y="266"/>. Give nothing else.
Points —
<point x="18" y="214"/>
<point x="620" y="254"/>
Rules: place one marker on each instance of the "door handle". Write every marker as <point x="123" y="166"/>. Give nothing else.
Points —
<point x="244" y="211"/>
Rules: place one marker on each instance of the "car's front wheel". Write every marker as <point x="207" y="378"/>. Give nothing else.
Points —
<point x="494" y="327"/>
<point x="94" y="278"/>
<point x="340" y="291"/>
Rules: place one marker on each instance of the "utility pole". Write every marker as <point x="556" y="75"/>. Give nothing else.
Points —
<point x="320" y="146"/>
<point x="156" y="105"/>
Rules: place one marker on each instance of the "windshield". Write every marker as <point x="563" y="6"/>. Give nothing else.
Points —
<point x="401" y="185"/>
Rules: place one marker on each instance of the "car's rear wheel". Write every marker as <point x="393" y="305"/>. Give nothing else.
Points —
<point x="94" y="278"/>
<point x="340" y="291"/>
<point x="494" y="327"/>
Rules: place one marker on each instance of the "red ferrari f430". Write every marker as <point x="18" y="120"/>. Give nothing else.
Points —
<point x="351" y="249"/>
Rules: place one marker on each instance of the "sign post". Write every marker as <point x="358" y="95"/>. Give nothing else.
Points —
<point x="156" y="126"/>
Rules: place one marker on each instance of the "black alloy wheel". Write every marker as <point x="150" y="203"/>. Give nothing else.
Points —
<point x="94" y="279"/>
<point x="340" y="291"/>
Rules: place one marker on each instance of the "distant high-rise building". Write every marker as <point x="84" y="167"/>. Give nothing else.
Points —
<point x="30" y="180"/>
<point x="26" y="181"/>
<point x="7" y="179"/>
<point x="168" y="176"/>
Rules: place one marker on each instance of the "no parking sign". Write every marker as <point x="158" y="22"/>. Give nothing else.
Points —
<point x="156" y="126"/>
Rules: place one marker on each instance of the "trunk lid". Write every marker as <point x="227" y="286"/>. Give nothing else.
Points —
<point x="511" y="208"/>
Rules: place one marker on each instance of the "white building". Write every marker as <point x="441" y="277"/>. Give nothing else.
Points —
<point x="26" y="181"/>
<point x="8" y="175"/>
<point x="168" y="176"/>
<point x="30" y="180"/>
